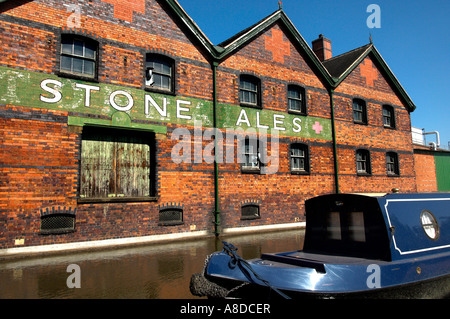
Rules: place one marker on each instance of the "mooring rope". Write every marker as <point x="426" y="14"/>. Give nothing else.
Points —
<point x="245" y="267"/>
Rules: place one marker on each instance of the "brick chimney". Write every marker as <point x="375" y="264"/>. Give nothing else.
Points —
<point x="322" y="48"/>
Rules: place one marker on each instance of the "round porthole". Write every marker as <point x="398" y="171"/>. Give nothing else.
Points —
<point x="430" y="225"/>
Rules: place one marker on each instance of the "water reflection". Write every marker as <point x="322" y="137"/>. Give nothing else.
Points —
<point x="158" y="271"/>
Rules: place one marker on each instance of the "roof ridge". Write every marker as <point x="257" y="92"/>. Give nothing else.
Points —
<point x="348" y="52"/>
<point x="233" y="38"/>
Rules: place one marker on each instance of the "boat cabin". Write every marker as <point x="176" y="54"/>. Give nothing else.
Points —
<point x="381" y="227"/>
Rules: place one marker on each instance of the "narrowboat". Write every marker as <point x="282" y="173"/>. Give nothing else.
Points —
<point x="356" y="246"/>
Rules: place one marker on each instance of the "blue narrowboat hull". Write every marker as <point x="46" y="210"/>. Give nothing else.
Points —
<point x="391" y="246"/>
<point x="352" y="278"/>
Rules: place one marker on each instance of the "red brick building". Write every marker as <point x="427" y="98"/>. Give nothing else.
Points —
<point x="108" y="109"/>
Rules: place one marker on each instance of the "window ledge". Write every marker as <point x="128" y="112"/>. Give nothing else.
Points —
<point x="254" y="106"/>
<point x="363" y="174"/>
<point x="300" y="172"/>
<point x="116" y="200"/>
<point x="160" y="91"/>
<point x="61" y="231"/>
<point x="297" y="112"/>
<point x="250" y="170"/>
<point x="77" y="76"/>
<point x="176" y="223"/>
<point x="393" y="175"/>
<point x="250" y="217"/>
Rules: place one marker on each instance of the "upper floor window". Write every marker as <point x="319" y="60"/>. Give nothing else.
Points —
<point x="296" y="99"/>
<point x="388" y="116"/>
<point x="79" y="56"/>
<point x="250" y="91"/>
<point x="299" y="158"/>
<point x="392" y="166"/>
<point x="159" y="73"/>
<point x="363" y="162"/>
<point x="359" y="111"/>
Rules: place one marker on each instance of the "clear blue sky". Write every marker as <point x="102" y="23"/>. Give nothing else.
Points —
<point x="414" y="40"/>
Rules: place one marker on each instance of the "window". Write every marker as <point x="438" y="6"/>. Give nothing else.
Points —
<point x="171" y="216"/>
<point x="359" y="111"/>
<point x="363" y="162"/>
<point x="79" y="56"/>
<point x="159" y="73"/>
<point x="117" y="165"/>
<point x="388" y="116"/>
<point x="296" y="99"/>
<point x="250" y="212"/>
<point x="250" y="154"/>
<point x="299" y="158"/>
<point x="392" y="164"/>
<point x="430" y="225"/>
<point x="250" y="91"/>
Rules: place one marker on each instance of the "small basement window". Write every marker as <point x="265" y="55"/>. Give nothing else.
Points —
<point x="57" y="224"/>
<point x="250" y="212"/>
<point x="171" y="216"/>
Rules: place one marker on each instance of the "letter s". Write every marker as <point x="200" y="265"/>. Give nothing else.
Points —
<point x="298" y="127"/>
<point x="57" y="96"/>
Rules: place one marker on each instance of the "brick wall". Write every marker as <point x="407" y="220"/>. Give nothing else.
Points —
<point x="366" y="82"/>
<point x="425" y="169"/>
<point x="40" y="157"/>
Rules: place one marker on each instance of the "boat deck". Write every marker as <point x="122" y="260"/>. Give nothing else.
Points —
<point x="316" y="260"/>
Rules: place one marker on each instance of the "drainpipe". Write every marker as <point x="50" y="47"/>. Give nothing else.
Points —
<point x="333" y="132"/>
<point x="216" y="165"/>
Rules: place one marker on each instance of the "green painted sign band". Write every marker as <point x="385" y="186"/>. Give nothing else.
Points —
<point x="113" y="105"/>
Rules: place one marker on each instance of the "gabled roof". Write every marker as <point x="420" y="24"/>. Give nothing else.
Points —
<point x="342" y="65"/>
<point x="234" y="43"/>
<point x="338" y="65"/>
<point x="332" y="71"/>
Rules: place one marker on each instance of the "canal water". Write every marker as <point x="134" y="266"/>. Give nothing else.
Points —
<point x="156" y="271"/>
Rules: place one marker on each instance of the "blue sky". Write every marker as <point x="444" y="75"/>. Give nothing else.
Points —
<point x="414" y="40"/>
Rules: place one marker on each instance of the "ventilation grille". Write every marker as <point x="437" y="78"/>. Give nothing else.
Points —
<point x="250" y="212"/>
<point x="57" y="224"/>
<point x="171" y="216"/>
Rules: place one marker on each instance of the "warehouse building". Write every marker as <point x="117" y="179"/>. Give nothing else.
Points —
<point x="122" y="123"/>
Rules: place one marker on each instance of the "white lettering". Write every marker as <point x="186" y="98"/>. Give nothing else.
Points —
<point x="57" y="96"/>
<point x="118" y="107"/>
<point x="183" y="109"/>
<point x="297" y="127"/>
<point x="243" y="118"/>
<point x="88" y="88"/>
<point x="258" y="125"/>
<point x="161" y="111"/>
<point x="276" y="121"/>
